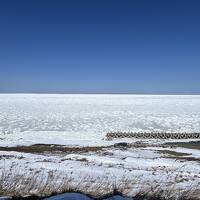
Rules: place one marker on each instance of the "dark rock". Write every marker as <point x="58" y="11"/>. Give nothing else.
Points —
<point x="5" y="198"/>
<point x="69" y="196"/>
<point x="118" y="197"/>
<point x="121" y="144"/>
<point x="77" y="196"/>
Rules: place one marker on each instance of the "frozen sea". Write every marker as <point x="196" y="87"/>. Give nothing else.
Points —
<point x="63" y="118"/>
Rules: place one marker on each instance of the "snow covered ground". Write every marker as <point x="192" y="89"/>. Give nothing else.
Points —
<point x="130" y="171"/>
<point x="83" y="120"/>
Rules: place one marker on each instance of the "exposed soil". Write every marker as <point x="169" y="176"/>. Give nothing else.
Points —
<point x="189" y="145"/>
<point x="48" y="148"/>
<point x="173" y="153"/>
<point x="54" y="149"/>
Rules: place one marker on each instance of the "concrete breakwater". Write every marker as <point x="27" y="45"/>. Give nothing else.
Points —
<point x="152" y="135"/>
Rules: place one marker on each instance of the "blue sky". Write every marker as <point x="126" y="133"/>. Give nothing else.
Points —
<point x="100" y="46"/>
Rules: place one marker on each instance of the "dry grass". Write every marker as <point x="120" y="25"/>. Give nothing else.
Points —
<point x="38" y="184"/>
<point x="50" y="148"/>
<point x="160" y="194"/>
<point x="16" y="184"/>
<point x="190" y="145"/>
<point x="178" y="155"/>
<point x="54" y="149"/>
<point x="173" y="153"/>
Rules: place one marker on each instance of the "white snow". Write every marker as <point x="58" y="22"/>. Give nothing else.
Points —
<point x="129" y="170"/>
<point x="83" y="120"/>
<point x="74" y="119"/>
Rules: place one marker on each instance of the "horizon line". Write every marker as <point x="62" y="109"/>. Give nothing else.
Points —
<point x="170" y="94"/>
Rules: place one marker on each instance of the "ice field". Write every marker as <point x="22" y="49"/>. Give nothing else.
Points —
<point x="60" y="118"/>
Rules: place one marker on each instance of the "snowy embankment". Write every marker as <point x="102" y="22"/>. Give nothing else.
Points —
<point x="145" y="166"/>
<point x="130" y="171"/>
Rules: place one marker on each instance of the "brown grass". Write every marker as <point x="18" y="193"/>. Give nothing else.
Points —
<point x="173" y="153"/>
<point x="189" y="145"/>
<point x="49" y="148"/>
<point x="17" y="185"/>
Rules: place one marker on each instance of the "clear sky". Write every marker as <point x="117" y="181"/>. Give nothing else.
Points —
<point x="100" y="46"/>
